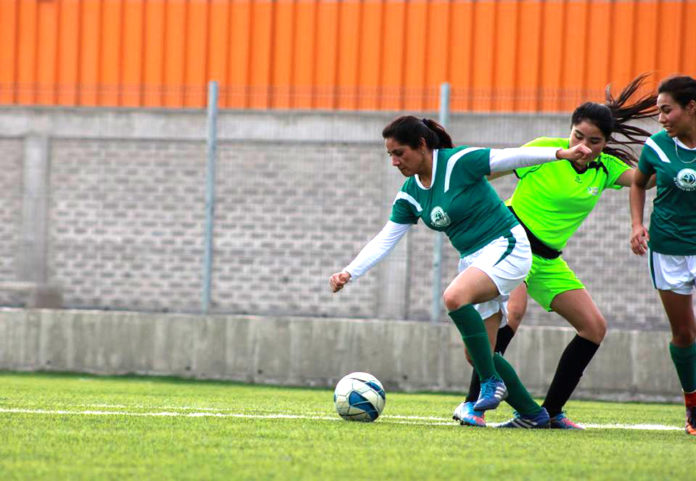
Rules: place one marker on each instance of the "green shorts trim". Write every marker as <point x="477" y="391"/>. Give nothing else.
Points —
<point x="549" y="277"/>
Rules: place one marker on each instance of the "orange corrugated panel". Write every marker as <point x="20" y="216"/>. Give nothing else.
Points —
<point x="575" y="55"/>
<point x="348" y="54"/>
<point x="553" y="19"/>
<point x="283" y="40"/>
<point x="645" y="41"/>
<point x="505" y="56"/>
<point x="437" y="68"/>
<point x="393" y="62"/>
<point x="305" y="44"/>
<point x="623" y="23"/>
<point x="195" y="68"/>
<point x="153" y="53"/>
<point x="528" y="61"/>
<point x="26" y="53"/>
<point x="68" y="52"/>
<point x="132" y="63"/>
<point x="461" y="55"/>
<point x="240" y="47"/>
<point x="325" y="57"/>
<point x="688" y="60"/>
<point x="485" y="38"/>
<point x="598" y="59"/>
<point x="670" y="22"/>
<point x="90" y="41"/>
<point x="415" y="61"/>
<point x="8" y="52"/>
<point x="262" y="41"/>
<point x="46" y="62"/>
<point x="218" y="43"/>
<point x="174" y="53"/>
<point x="371" y="49"/>
<point x="111" y="51"/>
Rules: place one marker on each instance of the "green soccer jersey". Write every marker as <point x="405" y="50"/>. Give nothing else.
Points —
<point x="673" y="223"/>
<point x="459" y="202"/>
<point x="553" y="199"/>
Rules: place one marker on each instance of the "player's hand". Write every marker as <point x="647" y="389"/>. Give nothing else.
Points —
<point x="639" y="239"/>
<point x="338" y="280"/>
<point x="579" y="153"/>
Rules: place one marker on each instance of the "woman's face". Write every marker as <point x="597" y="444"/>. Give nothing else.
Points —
<point x="589" y="134"/>
<point x="675" y="119"/>
<point x="409" y="161"/>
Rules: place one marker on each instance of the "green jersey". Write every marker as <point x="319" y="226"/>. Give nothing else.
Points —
<point x="553" y="199"/>
<point x="673" y="223"/>
<point x="459" y="201"/>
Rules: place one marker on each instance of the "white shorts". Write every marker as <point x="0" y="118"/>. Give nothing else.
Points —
<point x="506" y="260"/>
<point x="672" y="273"/>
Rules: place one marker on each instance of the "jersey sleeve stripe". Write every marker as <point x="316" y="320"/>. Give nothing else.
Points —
<point x="660" y="153"/>
<point x="409" y="199"/>
<point x="453" y="160"/>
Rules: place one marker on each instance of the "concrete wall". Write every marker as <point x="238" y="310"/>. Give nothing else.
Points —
<point x="404" y="355"/>
<point x="109" y="206"/>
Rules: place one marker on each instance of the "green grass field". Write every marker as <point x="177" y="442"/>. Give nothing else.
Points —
<point x="55" y="427"/>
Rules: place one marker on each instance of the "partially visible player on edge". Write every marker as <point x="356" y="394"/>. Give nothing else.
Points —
<point x="671" y="242"/>
<point x="551" y="201"/>
<point x="446" y="187"/>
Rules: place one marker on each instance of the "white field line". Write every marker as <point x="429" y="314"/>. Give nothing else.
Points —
<point x="417" y="420"/>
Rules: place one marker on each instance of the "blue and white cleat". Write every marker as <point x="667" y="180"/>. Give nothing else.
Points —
<point x="493" y="391"/>
<point x="538" y="421"/>
<point x="468" y="416"/>
<point x="561" y="421"/>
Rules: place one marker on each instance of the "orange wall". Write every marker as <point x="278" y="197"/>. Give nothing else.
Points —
<point x="507" y="55"/>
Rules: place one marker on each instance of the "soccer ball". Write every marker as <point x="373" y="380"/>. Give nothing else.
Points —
<point x="359" y="396"/>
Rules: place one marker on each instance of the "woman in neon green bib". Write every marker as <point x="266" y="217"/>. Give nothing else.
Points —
<point x="551" y="201"/>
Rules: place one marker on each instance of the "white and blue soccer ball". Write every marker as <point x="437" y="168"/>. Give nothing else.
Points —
<point x="359" y="396"/>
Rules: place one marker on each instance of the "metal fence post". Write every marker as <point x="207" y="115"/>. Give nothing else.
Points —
<point x="436" y="306"/>
<point x="210" y="194"/>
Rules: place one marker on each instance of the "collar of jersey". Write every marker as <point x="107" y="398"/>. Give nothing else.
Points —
<point x="682" y="144"/>
<point x="432" y="175"/>
<point x="592" y="165"/>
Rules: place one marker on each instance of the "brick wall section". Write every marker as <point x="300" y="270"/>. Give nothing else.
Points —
<point x="11" y="157"/>
<point x="298" y="195"/>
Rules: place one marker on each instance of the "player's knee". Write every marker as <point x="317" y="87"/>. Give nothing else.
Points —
<point x="596" y="330"/>
<point x="452" y="299"/>
<point x="514" y="317"/>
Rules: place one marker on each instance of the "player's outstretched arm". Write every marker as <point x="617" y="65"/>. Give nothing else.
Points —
<point x="639" y="234"/>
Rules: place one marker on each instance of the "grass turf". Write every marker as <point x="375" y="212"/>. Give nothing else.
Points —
<point x="158" y="428"/>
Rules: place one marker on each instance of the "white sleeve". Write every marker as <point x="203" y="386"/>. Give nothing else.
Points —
<point x="505" y="160"/>
<point x="376" y="249"/>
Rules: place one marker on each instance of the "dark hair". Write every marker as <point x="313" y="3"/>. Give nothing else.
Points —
<point x="612" y="116"/>
<point x="408" y="130"/>
<point x="681" y="88"/>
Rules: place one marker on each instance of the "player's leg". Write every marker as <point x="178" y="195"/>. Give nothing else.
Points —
<point x="578" y="308"/>
<point x="683" y="349"/>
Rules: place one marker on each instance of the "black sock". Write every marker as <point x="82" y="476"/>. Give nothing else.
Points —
<point x="505" y="334"/>
<point x="575" y="358"/>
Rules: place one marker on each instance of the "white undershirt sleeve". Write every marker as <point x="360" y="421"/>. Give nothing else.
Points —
<point x="376" y="249"/>
<point x="505" y="160"/>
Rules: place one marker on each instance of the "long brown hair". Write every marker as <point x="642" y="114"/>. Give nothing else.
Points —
<point x="613" y="115"/>
<point x="408" y="130"/>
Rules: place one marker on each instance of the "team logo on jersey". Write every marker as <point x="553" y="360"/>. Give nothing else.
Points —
<point x="686" y="179"/>
<point x="593" y="190"/>
<point x="439" y="217"/>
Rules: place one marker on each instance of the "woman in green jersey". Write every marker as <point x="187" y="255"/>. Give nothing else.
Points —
<point x="446" y="187"/>
<point x="671" y="242"/>
<point x="551" y="201"/>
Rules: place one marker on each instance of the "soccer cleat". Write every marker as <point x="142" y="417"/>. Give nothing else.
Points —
<point x="690" y="401"/>
<point x="493" y="391"/>
<point x="467" y="416"/>
<point x="560" y="421"/>
<point x="539" y="420"/>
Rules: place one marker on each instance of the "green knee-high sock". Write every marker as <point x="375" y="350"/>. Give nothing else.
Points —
<point x="518" y="396"/>
<point x="474" y="335"/>
<point x="684" y="359"/>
